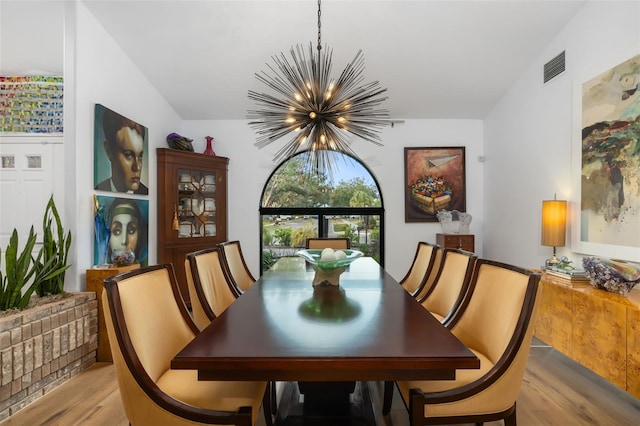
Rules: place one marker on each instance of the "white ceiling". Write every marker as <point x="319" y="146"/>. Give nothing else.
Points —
<point x="438" y="59"/>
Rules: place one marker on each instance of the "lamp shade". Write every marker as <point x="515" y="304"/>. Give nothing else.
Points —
<point x="554" y="222"/>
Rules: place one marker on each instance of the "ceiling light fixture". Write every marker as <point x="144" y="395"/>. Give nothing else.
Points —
<point x="319" y="110"/>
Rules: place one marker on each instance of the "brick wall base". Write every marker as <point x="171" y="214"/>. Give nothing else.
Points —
<point x="44" y="346"/>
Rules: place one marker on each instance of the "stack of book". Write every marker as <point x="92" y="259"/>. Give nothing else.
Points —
<point x="578" y="276"/>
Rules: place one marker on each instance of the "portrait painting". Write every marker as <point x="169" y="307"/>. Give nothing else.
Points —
<point x="121" y="161"/>
<point x="434" y="180"/>
<point x="121" y="231"/>
<point x="610" y="161"/>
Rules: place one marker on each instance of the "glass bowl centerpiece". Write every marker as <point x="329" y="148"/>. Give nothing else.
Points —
<point x="329" y="263"/>
<point x="614" y="275"/>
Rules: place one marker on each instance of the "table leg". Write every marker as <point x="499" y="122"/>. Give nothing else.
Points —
<point x="326" y="397"/>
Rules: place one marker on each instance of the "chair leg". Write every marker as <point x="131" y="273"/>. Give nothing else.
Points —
<point x="511" y="420"/>
<point x="388" y="397"/>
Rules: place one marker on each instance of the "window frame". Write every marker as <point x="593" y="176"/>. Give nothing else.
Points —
<point x="322" y="212"/>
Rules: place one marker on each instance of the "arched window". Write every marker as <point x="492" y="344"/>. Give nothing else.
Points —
<point x="296" y="205"/>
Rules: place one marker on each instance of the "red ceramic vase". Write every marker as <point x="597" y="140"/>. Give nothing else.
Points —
<point x="209" y="149"/>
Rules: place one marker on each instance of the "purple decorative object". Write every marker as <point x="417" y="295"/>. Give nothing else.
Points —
<point x="176" y="141"/>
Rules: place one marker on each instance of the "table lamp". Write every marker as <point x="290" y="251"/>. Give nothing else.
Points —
<point x="554" y="222"/>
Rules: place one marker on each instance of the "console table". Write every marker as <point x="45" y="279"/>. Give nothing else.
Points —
<point x="598" y="329"/>
<point x="95" y="283"/>
<point x="465" y="242"/>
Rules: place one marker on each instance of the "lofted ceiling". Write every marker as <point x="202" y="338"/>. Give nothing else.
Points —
<point x="438" y="59"/>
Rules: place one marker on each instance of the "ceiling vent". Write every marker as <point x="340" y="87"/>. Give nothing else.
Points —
<point x="554" y="67"/>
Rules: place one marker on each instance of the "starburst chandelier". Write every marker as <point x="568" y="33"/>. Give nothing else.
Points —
<point x="320" y="111"/>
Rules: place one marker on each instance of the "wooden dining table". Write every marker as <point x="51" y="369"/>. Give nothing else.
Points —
<point x="368" y="328"/>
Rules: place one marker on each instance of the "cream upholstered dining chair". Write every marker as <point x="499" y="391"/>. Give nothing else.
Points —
<point x="422" y="267"/>
<point x="236" y="266"/>
<point x="210" y="289"/>
<point x="450" y="285"/>
<point x="446" y="293"/>
<point x="148" y="324"/>
<point x="323" y="243"/>
<point x="495" y="322"/>
<point x="241" y="279"/>
<point x="210" y="282"/>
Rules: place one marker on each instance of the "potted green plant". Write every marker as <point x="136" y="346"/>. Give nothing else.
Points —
<point x="60" y="341"/>
<point x="43" y="274"/>
<point x="18" y="272"/>
<point x="51" y="263"/>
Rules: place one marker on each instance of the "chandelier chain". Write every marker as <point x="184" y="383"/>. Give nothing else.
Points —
<point x="319" y="14"/>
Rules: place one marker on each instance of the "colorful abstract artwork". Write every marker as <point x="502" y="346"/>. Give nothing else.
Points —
<point x="31" y="104"/>
<point x="610" y="157"/>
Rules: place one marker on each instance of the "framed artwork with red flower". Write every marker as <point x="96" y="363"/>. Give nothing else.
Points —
<point x="434" y="180"/>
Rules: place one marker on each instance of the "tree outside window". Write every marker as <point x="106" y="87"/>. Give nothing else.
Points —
<point x="297" y="205"/>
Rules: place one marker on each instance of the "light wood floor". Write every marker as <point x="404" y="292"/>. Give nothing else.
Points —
<point x="556" y="391"/>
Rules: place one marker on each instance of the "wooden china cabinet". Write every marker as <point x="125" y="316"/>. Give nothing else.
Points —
<point x="192" y="206"/>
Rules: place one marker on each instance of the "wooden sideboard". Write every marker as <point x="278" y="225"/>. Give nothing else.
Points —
<point x="465" y="242"/>
<point x="598" y="329"/>
<point x="95" y="283"/>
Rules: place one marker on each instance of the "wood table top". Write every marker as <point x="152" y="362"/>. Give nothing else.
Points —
<point x="368" y="328"/>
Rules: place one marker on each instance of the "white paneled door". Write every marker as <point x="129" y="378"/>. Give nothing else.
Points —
<point x="27" y="179"/>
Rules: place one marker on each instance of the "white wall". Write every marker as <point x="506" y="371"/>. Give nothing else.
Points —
<point x="250" y="167"/>
<point x="35" y="27"/>
<point x="529" y="135"/>
<point x="526" y="140"/>
<point x="105" y="75"/>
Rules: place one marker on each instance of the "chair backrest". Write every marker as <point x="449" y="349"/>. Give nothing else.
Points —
<point x="323" y="243"/>
<point x="451" y="283"/>
<point x="496" y="319"/>
<point x="211" y="284"/>
<point x="431" y="278"/>
<point x="147" y="323"/>
<point x="237" y="267"/>
<point x="420" y="269"/>
<point x="197" y="309"/>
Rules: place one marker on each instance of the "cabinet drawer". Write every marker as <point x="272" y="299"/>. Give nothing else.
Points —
<point x="451" y="240"/>
<point x="467" y="243"/>
<point x="466" y="239"/>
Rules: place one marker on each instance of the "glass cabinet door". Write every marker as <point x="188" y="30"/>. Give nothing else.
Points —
<point x="196" y="210"/>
